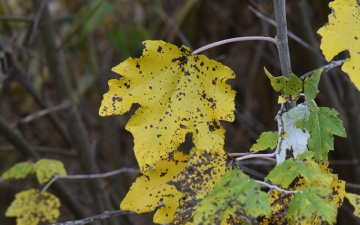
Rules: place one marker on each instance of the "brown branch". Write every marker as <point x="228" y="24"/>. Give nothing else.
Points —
<point x="17" y="18"/>
<point x="43" y="149"/>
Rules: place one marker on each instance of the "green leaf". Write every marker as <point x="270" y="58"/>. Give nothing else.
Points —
<point x="322" y="125"/>
<point x="310" y="202"/>
<point x="19" y="170"/>
<point x="311" y="89"/>
<point x="289" y="88"/>
<point x="354" y="200"/>
<point x="266" y="140"/>
<point x="46" y="168"/>
<point x="284" y="174"/>
<point x="31" y="206"/>
<point x="235" y="193"/>
<point x="301" y="113"/>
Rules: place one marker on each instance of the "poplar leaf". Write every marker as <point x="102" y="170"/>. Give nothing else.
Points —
<point x="312" y="201"/>
<point x="342" y="33"/>
<point x="18" y="171"/>
<point x="31" y="206"/>
<point x="285" y="173"/>
<point x="296" y="139"/>
<point x="266" y="140"/>
<point x="301" y="113"/>
<point x="354" y="200"/>
<point x="322" y="125"/>
<point x="289" y="88"/>
<point x="235" y="193"/>
<point x="197" y="180"/>
<point x="151" y="189"/>
<point x="178" y="93"/>
<point x="46" y="168"/>
<point x="311" y="89"/>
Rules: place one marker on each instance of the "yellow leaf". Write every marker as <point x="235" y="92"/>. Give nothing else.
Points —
<point x="31" y="206"/>
<point x="151" y="189"/>
<point x="281" y="100"/>
<point x="354" y="200"/>
<point x="46" y="168"/>
<point x="179" y="93"/>
<point x="197" y="180"/>
<point x="232" y="220"/>
<point x="342" y="33"/>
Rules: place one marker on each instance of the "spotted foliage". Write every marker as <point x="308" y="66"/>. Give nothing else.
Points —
<point x="179" y="93"/>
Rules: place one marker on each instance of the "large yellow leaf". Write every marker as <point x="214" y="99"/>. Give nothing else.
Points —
<point x="151" y="189"/>
<point x="197" y="180"/>
<point x="179" y="93"/>
<point x="343" y="33"/>
<point x="31" y="206"/>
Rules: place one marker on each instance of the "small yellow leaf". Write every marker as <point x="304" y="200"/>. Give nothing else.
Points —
<point x="179" y="93"/>
<point x="281" y="100"/>
<point x="232" y="220"/>
<point x="354" y="199"/>
<point x="46" y="168"/>
<point x="151" y="189"/>
<point x="31" y="206"/>
<point x="342" y="33"/>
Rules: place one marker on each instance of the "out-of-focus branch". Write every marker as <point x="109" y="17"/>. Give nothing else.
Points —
<point x="75" y="126"/>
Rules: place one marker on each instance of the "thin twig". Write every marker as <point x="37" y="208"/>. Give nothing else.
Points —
<point x="226" y="41"/>
<point x="326" y="68"/>
<point x="101" y="216"/>
<point x="90" y="176"/>
<point x="17" y="18"/>
<point x="290" y="34"/>
<point x="275" y="187"/>
<point x="263" y="156"/>
<point x="42" y="149"/>
<point x="36" y="22"/>
<point x="350" y="185"/>
<point x="64" y="105"/>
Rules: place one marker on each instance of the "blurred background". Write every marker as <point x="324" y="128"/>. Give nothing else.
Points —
<point x="57" y="55"/>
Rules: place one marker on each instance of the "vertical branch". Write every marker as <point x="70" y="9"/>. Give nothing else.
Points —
<point x="282" y="41"/>
<point x="75" y="126"/>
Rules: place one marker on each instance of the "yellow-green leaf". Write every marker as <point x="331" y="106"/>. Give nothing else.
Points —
<point x="342" y="33"/>
<point x="178" y="93"/>
<point x="354" y="200"/>
<point x="19" y="170"/>
<point x="289" y="88"/>
<point x="197" y="180"/>
<point x="46" y="168"/>
<point x="31" y="206"/>
<point x="266" y="140"/>
<point x="151" y="189"/>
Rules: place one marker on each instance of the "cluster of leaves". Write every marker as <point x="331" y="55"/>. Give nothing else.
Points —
<point x="32" y="206"/>
<point x="181" y="93"/>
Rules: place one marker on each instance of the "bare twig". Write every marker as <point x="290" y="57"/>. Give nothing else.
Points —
<point x="90" y="176"/>
<point x="326" y="68"/>
<point x="226" y="41"/>
<point x="350" y="185"/>
<point x="35" y="23"/>
<point x="290" y="34"/>
<point x="263" y="156"/>
<point x="101" y="216"/>
<point x="275" y="187"/>
<point x="17" y="18"/>
<point x="64" y="105"/>
<point x="42" y="149"/>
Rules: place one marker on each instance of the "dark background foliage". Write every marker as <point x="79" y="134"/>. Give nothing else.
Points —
<point x="92" y="36"/>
